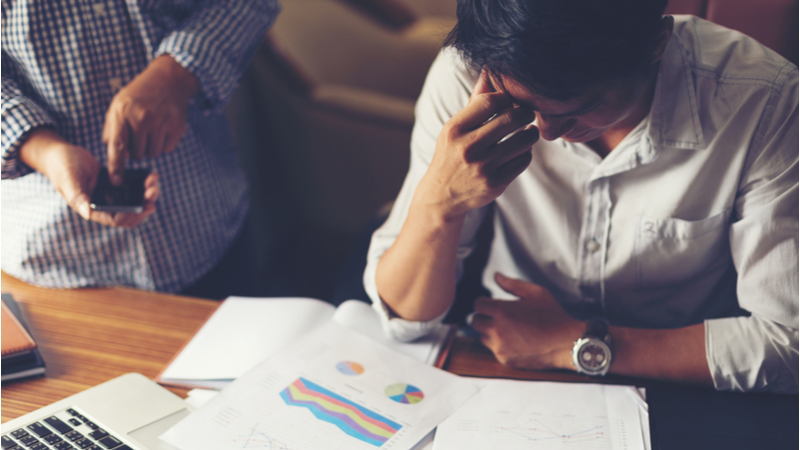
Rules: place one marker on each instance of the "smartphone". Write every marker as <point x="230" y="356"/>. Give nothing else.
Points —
<point x="127" y="198"/>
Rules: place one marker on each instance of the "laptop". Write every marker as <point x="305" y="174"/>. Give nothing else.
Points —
<point x="126" y="413"/>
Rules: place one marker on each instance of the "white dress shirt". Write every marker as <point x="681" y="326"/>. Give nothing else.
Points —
<point x="692" y="218"/>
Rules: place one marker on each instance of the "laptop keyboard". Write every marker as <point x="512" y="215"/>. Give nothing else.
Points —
<point x="65" y="430"/>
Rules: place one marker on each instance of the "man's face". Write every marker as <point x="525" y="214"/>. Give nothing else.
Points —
<point x="585" y="117"/>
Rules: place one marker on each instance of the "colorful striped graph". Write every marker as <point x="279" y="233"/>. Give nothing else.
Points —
<point x="353" y="419"/>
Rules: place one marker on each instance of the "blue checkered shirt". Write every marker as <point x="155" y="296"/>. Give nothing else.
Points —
<point x="62" y="63"/>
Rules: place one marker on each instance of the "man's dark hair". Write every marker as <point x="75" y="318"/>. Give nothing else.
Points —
<point x="558" y="48"/>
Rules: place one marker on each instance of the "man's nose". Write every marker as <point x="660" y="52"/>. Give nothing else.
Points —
<point x="553" y="127"/>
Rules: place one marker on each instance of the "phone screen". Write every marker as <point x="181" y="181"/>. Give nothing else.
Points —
<point x="128" y="197"/>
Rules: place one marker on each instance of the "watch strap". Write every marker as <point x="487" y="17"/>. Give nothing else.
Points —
<point x="597" y="328"/>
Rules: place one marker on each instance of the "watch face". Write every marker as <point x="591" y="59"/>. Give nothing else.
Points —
<point x="594" y="355"/>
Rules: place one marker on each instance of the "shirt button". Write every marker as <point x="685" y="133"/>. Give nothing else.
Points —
<point x="592" y="246"/>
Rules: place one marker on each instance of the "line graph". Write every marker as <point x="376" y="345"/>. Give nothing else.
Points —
<point x="260" y="439"/>
<point x="535" y="431"/>
<point x="553" y="433"/>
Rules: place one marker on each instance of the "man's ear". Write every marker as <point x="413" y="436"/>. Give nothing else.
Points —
<point x="662" y="40"/>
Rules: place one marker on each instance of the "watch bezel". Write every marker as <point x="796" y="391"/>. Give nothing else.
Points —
<point x="582" y="343"/>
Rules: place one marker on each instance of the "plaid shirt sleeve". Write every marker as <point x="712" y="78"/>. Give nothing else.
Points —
<point x="217" y="42"/>
<point x="20" y="115"/>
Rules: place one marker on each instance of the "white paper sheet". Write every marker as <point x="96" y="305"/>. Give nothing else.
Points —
<point x="363" y="318"/>
<point x="516" y="415"/>
<point x="335" y="389"/>
<point x="243" y="332"/>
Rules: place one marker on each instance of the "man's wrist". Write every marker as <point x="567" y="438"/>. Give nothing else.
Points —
<point x="181" y="80"/>
<point x="36" y="146"/>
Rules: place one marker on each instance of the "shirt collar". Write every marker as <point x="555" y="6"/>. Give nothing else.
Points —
<point x="674" y="116"/>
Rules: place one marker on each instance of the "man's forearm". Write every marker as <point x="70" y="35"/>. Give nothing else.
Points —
<point x="416" y="277"/>
<point x="677" y="354"/>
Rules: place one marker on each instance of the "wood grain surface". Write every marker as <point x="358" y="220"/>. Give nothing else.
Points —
<point x="88" y="336"/>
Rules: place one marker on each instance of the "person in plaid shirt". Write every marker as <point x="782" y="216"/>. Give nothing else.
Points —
<point x="142" y="84"/>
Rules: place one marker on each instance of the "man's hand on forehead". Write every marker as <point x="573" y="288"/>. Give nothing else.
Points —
<point x="480" y="150"/>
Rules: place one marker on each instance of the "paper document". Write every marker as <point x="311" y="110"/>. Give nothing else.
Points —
<point x="335" y="389"/>
<point x="516" y="415"/>
<point x="244" y="331"/>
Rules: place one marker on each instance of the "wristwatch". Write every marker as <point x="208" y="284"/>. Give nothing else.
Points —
<point x="592" y="353"/>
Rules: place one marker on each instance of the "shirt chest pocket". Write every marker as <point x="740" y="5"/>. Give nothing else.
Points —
<point x="670" y="251"/>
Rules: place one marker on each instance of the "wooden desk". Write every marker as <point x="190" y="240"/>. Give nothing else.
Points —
<point x="88" y="336"/>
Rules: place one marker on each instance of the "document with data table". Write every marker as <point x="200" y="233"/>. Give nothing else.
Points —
<point x="515" y="415"/>
<point x="334" y="389"/>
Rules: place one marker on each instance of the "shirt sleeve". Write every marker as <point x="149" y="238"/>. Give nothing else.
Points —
<point x="217" y="42"/>
<point x="446" y="91"/>
<point x="760" y="352"/>
<point x="20" y="115"/>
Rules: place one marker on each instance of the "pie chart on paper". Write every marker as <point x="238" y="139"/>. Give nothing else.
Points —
<point x="404" y="393"/>
<point x="350" y="368"/>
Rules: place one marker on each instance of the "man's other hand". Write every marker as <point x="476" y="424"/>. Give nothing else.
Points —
<point x="73" y="172"/>
<point x="148" y="116"/>
<point x="533" y="332"/>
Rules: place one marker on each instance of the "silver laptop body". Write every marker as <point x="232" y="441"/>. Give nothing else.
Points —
<point x="128" y="412"/>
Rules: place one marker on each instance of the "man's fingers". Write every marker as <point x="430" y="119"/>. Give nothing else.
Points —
<point x="508" y="121"/>
<point x="486" y="306"/>
<point x="130" y="220"/>
<point x="483" y="86"/>
<point x="151" y="180"/>
<point x="482" y="108"/>
<point x="481" y="323"/>
<point x="81" y="205"/>
<point x="151" y="195"/>
<point x="139" y="139"/>
<point x="117" y="135"/>
<point x="516" y="144"/>
<point x="513" y="286"/>
<point x="506" y="173"/>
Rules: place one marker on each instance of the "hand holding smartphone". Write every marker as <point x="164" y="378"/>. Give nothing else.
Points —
<point x="126" y="198"/>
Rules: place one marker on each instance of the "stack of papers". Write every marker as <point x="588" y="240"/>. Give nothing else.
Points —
<point x="337" y="388"/>
<point x="333" y="389"/>
<point x="244" y="331"/>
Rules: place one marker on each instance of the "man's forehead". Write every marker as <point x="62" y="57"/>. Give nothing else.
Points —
<point x="527" y="98"/>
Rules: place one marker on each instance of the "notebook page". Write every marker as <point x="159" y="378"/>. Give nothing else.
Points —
<point x="242" y="332"/>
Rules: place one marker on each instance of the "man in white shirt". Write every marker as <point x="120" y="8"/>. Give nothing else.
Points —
<point x="643" y="172"/>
